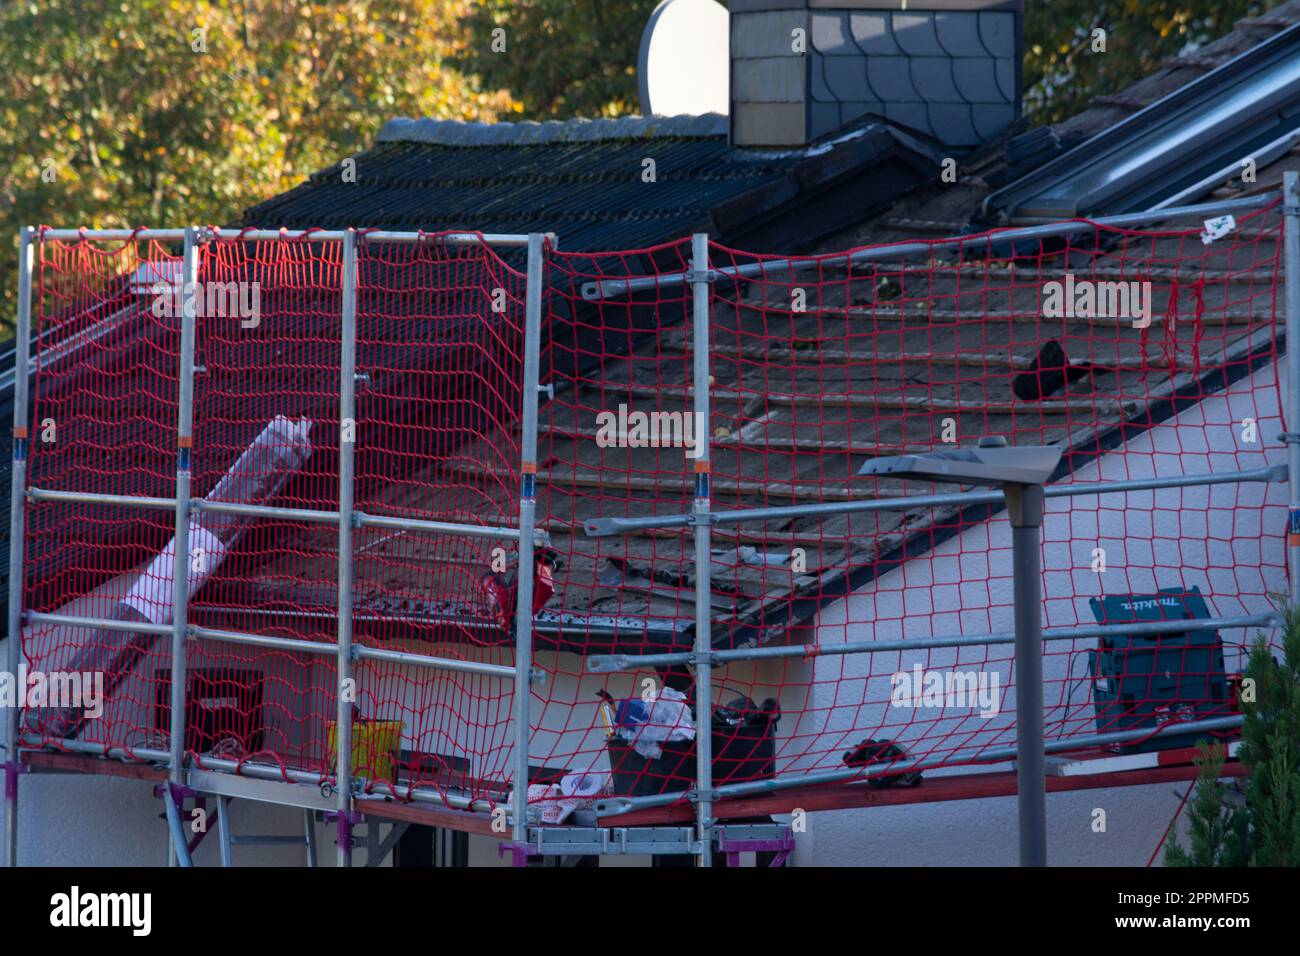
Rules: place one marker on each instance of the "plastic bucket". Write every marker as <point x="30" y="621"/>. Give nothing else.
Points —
<point x="375" y="745"/>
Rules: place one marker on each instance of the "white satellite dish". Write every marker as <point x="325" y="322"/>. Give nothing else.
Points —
<point x="683" y="68"/>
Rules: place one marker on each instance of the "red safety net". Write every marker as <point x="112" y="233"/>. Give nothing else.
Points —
<point x="821" y="364"/>
<point x="1139" y="353"/>
<point x="438" y="358"/>
<point x="103" y="399"/>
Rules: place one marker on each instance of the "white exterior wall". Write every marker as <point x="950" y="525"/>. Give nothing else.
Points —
<point x="1145" y="548"/>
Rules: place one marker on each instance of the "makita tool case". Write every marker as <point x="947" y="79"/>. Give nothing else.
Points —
<point x="1147" y="681"/>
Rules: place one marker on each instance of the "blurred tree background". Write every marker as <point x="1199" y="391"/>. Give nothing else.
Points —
<point x="562" y="58"/>
<point x="128" y="112"/>
<point x="1061" y="73"/>
<point x="175" y="111"/>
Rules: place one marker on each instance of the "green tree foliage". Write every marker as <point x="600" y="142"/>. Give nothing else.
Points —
<point x="1265" y="830"/>
<point x="176" y="111"/>
<point x="1062" y="72"/>
<point x="1217" y="831"/>
<point x="560" y="58"/>
<point x="1270" y="747"/>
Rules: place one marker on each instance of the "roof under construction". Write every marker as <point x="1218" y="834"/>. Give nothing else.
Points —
<point x="819" y="365"/>
<point x="835" y="336"/>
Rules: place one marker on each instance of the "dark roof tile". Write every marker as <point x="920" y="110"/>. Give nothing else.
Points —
<point x="584" y="181"/>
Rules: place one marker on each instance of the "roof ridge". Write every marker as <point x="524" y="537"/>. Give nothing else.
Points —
<point x="466" y="133"/>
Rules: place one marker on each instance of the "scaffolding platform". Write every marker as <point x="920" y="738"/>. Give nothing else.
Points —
<point x="972" y="786"/>
<point x="1129" y="770"/>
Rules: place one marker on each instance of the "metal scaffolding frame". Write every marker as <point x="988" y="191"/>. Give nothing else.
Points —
<point x="179" y="784"/>
<point x="228" y="779"/>
<point x="1027" y="600"/>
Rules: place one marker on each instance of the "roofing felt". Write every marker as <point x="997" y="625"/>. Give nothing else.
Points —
<point x="872" y="363"/>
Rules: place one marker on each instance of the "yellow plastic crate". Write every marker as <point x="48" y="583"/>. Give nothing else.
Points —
<point x="375" y="745"/>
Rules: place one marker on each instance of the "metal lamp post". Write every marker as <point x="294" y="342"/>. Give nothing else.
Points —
<point x="1021" y="473"/>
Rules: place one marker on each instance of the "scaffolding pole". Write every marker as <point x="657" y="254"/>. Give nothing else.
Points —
<point x="310" y="515"/>
<point x="703" y="584"/>
<point x="1291" y="267"/>
<point x="1025" y="507"/>
<point x="527" y="521"/>
<point x="177" y="854"/>
<point x="609" y="288"/>
<point x="607" y="526"/>
<point x="612" y="663"/>
<point x="17" y="513"/>
<point x="347" y="447"/>
<point x="506" y="240"/>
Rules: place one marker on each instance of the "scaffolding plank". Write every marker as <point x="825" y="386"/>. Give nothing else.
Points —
<point x="975" y="786"/>
<point x="478" y="824"/>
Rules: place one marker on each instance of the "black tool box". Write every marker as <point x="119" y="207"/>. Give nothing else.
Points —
<point x="1147" y="681"/>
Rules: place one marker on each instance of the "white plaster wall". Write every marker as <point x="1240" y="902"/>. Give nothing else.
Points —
<point x="76" y="820"/>
<point x="1152" y="540"/>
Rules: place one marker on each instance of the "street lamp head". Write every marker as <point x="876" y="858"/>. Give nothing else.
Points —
<point x="991" y="462"/>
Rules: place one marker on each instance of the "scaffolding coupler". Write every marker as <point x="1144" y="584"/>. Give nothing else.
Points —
<point x="12" y="770"/>
<point x="704" y="659"/>
<point x="344" y="820"/>
<point x="776" y="838"/>
<point x="520" y="853"/>
<point x="178" y="793"/>
<point x="696" y="795"/>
